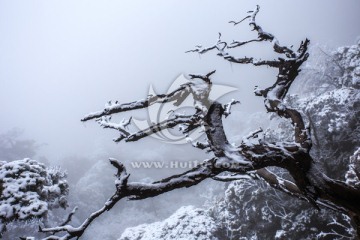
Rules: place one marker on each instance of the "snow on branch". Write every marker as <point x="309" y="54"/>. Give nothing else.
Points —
<point x="289" y="68"/>
<point x="264" y="36"/>
<point x="235" y="44"/>
<point x="227" y="107"/>
<point x="188" y="120"/>
<point x="233" y="177"/>
<point x="69" y="217"/>
<point x="104" y="121"/>
<point x="199" y="87"/>
<point x="206" y="77"/>
<point x="254" y="134"/>
<point x="219" y="45"/>
<point x="236" y="23"/>
<point x="114" y="107"/>
<point x="200" y="145"/>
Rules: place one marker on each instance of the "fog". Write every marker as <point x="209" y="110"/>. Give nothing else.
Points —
<point x="60" y="60"/>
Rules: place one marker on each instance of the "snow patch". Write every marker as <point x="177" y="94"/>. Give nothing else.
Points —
<point x="187" y="223"/>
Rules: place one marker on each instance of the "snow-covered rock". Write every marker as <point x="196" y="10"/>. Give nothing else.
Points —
<point x="187" y="223"/>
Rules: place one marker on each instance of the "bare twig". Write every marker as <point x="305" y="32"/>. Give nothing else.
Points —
<point x="69" y="217"/>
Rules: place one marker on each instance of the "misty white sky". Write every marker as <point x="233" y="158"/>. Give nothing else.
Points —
<point x="62" y="59"/>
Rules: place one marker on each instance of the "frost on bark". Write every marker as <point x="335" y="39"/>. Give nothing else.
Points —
<point x="228" y="162"/>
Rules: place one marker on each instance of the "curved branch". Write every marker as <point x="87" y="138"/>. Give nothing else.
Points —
<point x="205" y="78"/>
<point x="236" y="23"/>
<point x="264" y="36"/>
<point x="69" y="217"/>
<point x="236" y="44"/>
<point x="190" y="120"/>
<point x="177" y="95"/>
<point x="251" y="60"/>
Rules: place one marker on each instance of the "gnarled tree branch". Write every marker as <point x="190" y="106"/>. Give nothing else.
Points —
<point x="243" y="160"/>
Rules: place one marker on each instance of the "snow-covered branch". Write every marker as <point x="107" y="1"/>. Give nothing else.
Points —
<point x="200" y="145"/>
<point x="104" y="121"/>
<point x="233" y="177"/>
<point x="69" y="217"/>
<point x="227" y="107"/>
<point x="206" y="77"/>
<point x="254" y="134"/>
<point x="265" y="36"/>
<point x="177" y="96"/>
<point x="219" y="45"/>
<point x="188" y="120"/>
